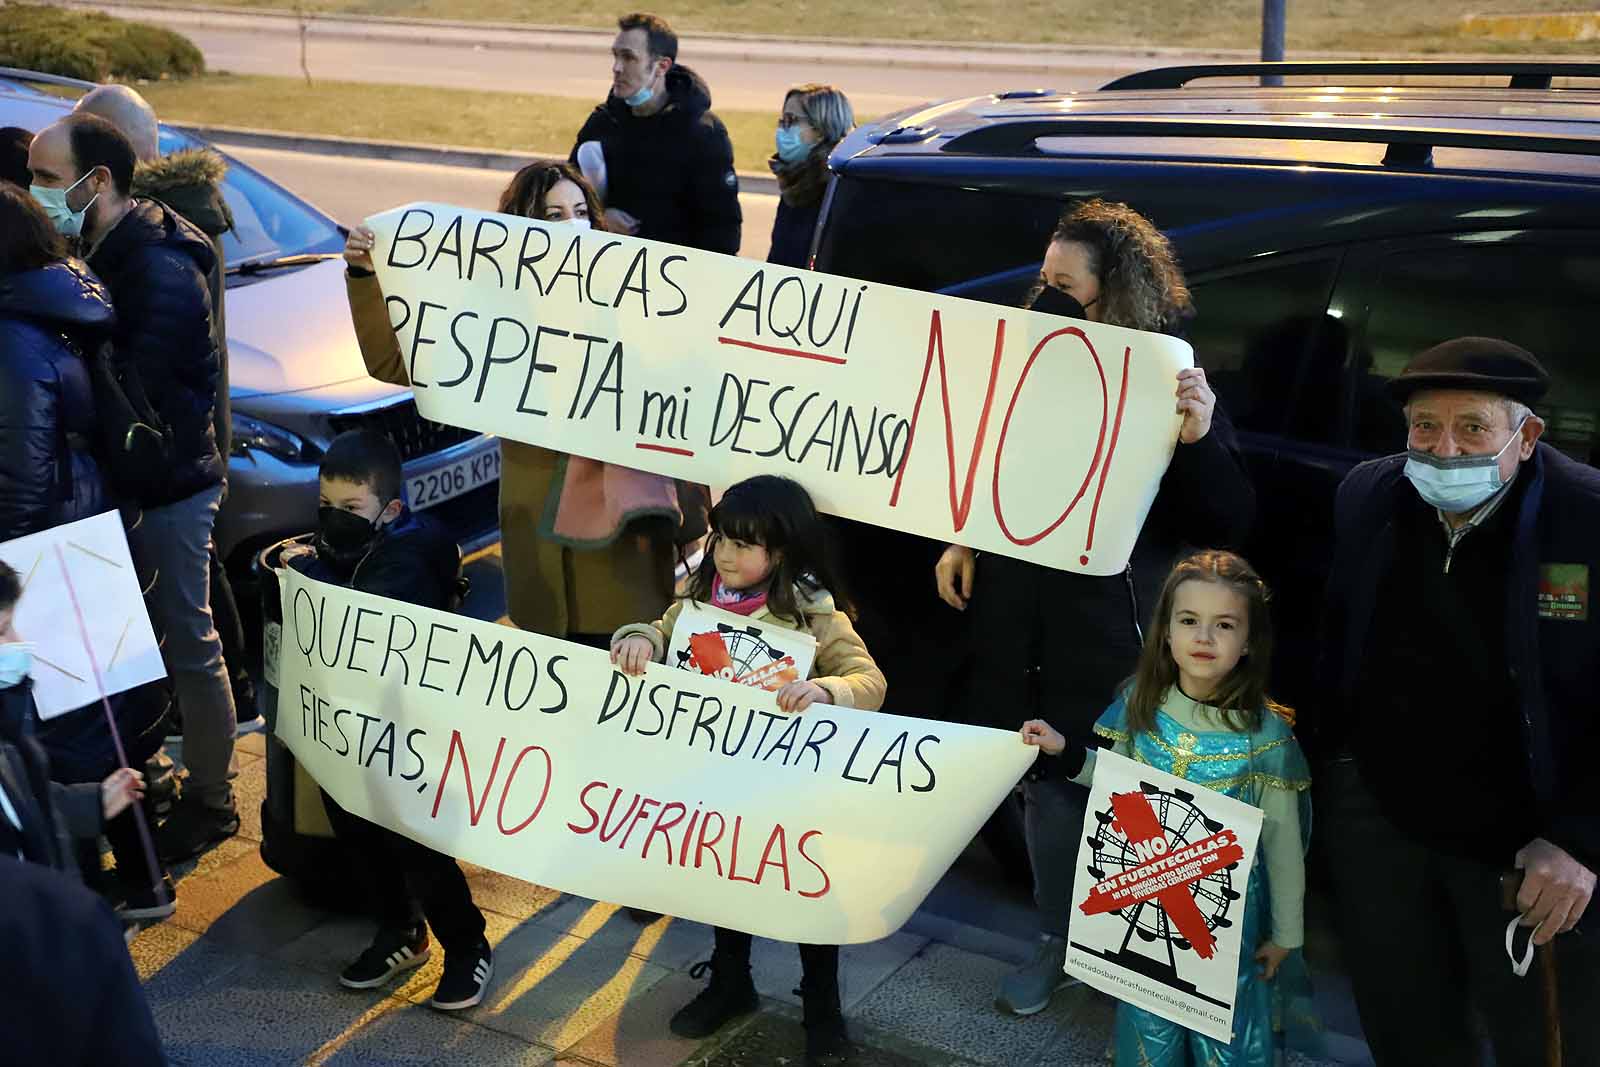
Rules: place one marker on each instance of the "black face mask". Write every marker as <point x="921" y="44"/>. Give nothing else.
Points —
<point x="343" y="537"/>
<point x="1053" y="301"/>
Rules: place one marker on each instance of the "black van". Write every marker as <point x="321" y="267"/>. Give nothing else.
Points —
<point x="1330" y="226"/>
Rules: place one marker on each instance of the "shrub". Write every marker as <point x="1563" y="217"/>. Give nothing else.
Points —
<point x="92" y="46"/>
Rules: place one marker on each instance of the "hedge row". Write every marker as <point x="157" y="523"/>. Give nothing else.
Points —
<point x="92" y="46"/>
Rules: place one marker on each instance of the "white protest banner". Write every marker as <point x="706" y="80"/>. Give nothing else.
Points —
<point x="95" y="551"/>
<point x="708" y="640"/>
<point x="672" y="791"/>
<point x="1160" y="894"/>
<point x="1007" y="430"/>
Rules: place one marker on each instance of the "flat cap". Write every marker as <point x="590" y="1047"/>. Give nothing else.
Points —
<point x="1475" y="364"/>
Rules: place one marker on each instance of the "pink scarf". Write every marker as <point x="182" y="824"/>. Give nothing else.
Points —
<point x="738" y="601"/>
<point x="591" y="502"/>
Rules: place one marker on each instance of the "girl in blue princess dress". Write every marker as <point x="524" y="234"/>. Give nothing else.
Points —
<point x="1197" y="708"/>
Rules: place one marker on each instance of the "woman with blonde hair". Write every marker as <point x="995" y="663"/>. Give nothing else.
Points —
<point x="815" y="118"/>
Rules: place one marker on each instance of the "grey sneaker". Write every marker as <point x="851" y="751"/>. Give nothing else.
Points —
<point x="1027" y="991"/>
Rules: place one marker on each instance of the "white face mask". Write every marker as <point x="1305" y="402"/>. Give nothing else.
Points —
<point x="16" y="663"/>
<point x="1458" y="485"/>
<point x="580" y="224"/>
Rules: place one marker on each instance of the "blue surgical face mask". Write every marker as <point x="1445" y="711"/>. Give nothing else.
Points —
<point x="640" y="98"/>
<point x="1457" y="485"/>
<point x="791" y="147"/>
<point x="16" y="663"/>
<point x="68" y="223"/>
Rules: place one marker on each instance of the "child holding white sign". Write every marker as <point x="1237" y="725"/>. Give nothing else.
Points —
<point x="769" y="559"/>
<point x="1197" y="708"/>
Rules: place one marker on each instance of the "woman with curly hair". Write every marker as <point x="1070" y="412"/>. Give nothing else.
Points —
<point x="1052" y="644"/>
<point x="1115" y="263"/>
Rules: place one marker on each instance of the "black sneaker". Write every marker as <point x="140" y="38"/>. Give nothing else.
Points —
<point x="466" y="978"/>
<point x="731" y="994"/>
<point x="193" y="827"/>
<point x="142" y="903"/>
<point x="391" y="952"/>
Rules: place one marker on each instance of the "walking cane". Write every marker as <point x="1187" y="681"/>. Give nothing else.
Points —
<point x="1510" y="886"/>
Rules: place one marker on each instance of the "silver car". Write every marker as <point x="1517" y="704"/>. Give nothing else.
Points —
<point x="296" y="376"/>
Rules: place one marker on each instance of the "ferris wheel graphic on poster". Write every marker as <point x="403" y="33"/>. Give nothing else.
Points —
<point x="748" y="651"/>
<point x="1183" y="823"/>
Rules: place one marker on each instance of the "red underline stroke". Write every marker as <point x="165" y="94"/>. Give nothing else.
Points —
<point x="819" y="357"/>
<point x="664" y="448"/>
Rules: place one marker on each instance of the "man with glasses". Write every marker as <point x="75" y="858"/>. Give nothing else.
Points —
<point x="1464" y="658"/>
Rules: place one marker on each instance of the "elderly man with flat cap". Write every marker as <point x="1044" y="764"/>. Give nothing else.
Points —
<point x="1463" y="654"/>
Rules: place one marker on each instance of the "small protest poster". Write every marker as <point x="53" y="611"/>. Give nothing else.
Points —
<point x="670" y="791"/>
<point x="735" y="648"/>
<point x="95" y="552"/>
<point x="1005" y="429"/>
<point x="1160" y="892"/>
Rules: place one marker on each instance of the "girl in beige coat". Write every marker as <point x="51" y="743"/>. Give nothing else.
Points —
<point x="769" y="559"/>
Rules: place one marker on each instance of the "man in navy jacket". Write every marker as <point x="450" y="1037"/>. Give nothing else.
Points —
<point x="1464" y="659"/>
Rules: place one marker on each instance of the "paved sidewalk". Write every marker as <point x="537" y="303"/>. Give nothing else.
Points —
<point x="245" y="974"/>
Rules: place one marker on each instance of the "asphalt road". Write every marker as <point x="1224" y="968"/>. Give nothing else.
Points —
<point x="350" y="189"/>
<point x="743" y="75"/>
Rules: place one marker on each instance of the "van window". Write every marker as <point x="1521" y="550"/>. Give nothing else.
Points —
<point x="934" y="237"/>
<point x="1270" y="350"/>
<point x="1535" y="295"/>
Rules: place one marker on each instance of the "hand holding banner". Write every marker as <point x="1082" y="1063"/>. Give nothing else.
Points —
<point x="673" y="791"/>
<point x="1007" y="430"/>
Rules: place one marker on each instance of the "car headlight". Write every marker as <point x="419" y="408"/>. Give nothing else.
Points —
<point x="253" y="434"/>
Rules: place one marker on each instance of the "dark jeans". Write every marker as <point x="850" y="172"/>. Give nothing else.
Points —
<point x="819" y="964"/>
<point x="1423" y="937"/>
<point x="133" y="863"/>
<point x="230" y="627"/>
<point x="1053" y="819"/>
<point x="1052" y="645"/>
<point x="409" y="882"/>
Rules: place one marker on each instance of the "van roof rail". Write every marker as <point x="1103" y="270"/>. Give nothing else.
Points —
<point x="1405" y="142"/>
<point x="1520" y="75"/>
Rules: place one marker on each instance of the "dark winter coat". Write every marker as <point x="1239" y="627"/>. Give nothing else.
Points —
<point x="49" y="318"/>
<point x="1554" y="661"/>
<point x="190" y="183"/>
<point x="673" y="171"/>
<point x="801" y="192"/>
<point x="76" y="1000"/>
<point x="156" y="264"/>
<point x="413" y="560"/>
<point x="52" y="815"/>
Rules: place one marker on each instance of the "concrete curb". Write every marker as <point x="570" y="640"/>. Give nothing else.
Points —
<point x="1553" y="26"/>
<point x="406" y="151"/>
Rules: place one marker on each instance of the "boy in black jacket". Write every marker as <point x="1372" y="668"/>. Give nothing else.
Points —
<point x="369" y="540"/>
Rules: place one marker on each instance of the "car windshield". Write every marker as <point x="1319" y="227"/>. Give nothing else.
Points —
<point x="268" y="221"/>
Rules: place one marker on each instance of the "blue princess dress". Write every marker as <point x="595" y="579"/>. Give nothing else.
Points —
<point x="1264" y="768"/>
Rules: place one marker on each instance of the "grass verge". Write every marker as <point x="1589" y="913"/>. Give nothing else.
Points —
<point x="1374" y="26"/>
<point x="510" y="122"/>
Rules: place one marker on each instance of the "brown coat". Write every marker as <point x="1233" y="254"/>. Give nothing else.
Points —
<point x="550" y="588"/>
<point x="843" y="665"/>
